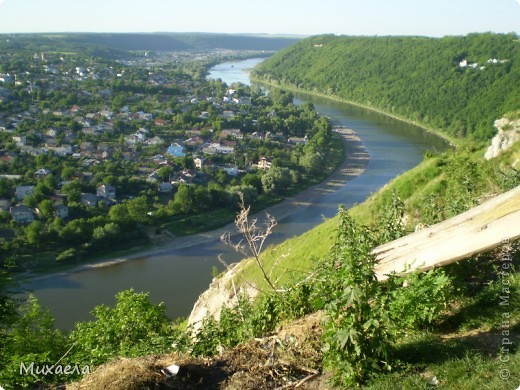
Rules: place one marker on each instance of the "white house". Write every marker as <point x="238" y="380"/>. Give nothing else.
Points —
<point x="225" y="149"/>
<point x="264" y="163"/>
<point x="106" y="191"/>
<point x="199" y="161"/>
<point x="231" y="170"/>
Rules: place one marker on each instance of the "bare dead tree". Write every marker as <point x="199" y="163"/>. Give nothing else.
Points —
<point x="253" y="235"/>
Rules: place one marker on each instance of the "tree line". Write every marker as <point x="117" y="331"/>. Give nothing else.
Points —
<point x="457" y="84"/>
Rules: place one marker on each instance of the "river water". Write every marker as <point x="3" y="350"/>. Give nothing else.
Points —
<point x="177" y="276"/>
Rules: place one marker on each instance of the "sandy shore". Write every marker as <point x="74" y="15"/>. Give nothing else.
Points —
<point x="355" y="162"/>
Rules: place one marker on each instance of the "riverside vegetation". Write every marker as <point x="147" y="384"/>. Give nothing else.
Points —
<point x="444" y="328"/>
<point x="458" y="85"/>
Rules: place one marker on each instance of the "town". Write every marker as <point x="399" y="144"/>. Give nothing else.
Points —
<point x="98" y="151"/>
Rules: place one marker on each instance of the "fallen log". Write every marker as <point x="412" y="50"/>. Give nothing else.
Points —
<point x="485" y="227"/>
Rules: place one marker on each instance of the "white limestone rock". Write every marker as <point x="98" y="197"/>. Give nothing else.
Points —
<point x="508" y="134"/>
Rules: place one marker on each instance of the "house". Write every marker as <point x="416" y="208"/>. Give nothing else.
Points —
<point x="264" y="163"/>
<point x="165" y="187"/>
<point x="210" y="149"/>
<point x="231" y="170"/>
<point x="61" y="211"/>
<point x="106" y="191"/>
<point x="232" y="133"/>
<point x="199" y="161"/>
<point x="23" y="191"/>
<point x="86" y="147"/>
<point x="89" y="199"/>
<point x="244" y="100"/>
<point x="228" y="115"/>
<point x="225" y="149"/>
<point x="20" y="140"/>
<point x="63" y="150"/>
<point x="298" y="140"/>
<point x="153" y="177"/>
<point x="52" y="132"/>
<point x="159" y="159"/>
<point x="5" y="204"/>
<point x="107" y="114"/>
<point x="194" y="141"/>
<point x="41" y="173"/>
<point x="175" y="150"/>
<point x="155" y="141"/>
<point x="143" y="116"/>
<point x="21" y="214"/>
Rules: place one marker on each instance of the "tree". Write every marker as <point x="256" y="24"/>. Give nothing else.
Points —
<point x="32" y="338"/>
<point x="184" y="198"/>
<point x="119" y="214"/>
<point x="109" y="233"/>
<point x="138" y="209"/>
<point x="73" y="191"/>
<point x="133" y="327"/>
<point x="67" y="172"/>
<point x="47" y="208"/>
<point x="34" y="233"/>
<point x="275" y="180"/>
<point x="252" y="179"/>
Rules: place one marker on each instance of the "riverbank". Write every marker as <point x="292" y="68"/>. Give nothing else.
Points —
<point x="451" y="141"/>
<point x="355" y="161"/>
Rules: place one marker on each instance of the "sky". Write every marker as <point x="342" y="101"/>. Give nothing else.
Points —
<point x="300" y="17"/>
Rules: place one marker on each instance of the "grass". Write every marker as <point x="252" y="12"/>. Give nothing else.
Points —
<point x="474" y="355"/>
<point x="291" y="260"/>
<point x="44" y="261"/>
<point x="209" y="220"/>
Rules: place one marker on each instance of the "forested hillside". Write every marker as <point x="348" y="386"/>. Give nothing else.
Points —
<point x="115" y="44"/>
<point x="458" y="85"/>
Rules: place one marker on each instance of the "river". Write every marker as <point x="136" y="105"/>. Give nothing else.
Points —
<point x="177" y="276"/>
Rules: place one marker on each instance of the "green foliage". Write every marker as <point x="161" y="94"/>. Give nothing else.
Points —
<point x="356" y="334"/>
<point x="417" y="78"/>
<point x="133" y="327"/>
<point x="416" y="300"/>
<point x="392" y="225"/>
<point x="30" y="338"/>
<point x="247" y="319"/>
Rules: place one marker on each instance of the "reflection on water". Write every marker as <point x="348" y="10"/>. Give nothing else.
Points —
<point x="177" y="276"/>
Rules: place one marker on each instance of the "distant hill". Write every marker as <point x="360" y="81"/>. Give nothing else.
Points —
<point x="458" y="85"/>
<point x="156" y="41"/>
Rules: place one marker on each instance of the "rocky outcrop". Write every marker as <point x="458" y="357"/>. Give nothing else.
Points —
<point x="221" y="293"/>
<point x="508" y="134"/>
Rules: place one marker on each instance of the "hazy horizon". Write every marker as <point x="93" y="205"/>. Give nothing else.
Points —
<point x="266" y="17"/>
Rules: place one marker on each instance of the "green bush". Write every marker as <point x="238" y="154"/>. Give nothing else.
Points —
<point x="134" y="327"/>
<point x="416" y="300"/>
<point x="357" y="332"/>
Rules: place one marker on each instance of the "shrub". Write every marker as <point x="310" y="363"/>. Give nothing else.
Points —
<point x="356" y="334"/>
<point x="416" y="300"/>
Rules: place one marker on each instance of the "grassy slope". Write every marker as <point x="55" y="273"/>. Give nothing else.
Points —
<point x="293" y="259"/>
<point x="464" y="351"/>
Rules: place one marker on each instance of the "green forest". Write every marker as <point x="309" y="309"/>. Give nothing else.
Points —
<point x="457" y="84"/>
